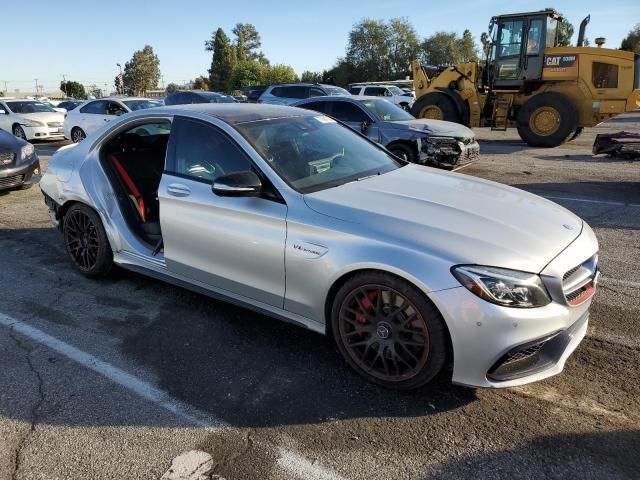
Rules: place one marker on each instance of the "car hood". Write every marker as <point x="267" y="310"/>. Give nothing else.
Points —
<point x="9" y="142"/>
<point x="461" y="219"/>
<point x="437" y="128"/>
<point x="44" y="116"/>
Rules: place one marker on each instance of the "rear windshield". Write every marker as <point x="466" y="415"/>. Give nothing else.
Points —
<point x="29" y="107"/>
<point x="336" y="91"/>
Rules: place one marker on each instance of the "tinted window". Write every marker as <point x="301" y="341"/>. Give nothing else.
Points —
<point x="348" y="112"/>
<point x="29" y="107"/>
<point x="114" y="108"/>
<point x="99" y="107"/>
<point x="317" y="106"/>
<point x="316" y="92"/>
<point x="315" y="153"/>
<point x="604" y="75"/>
<point x="297" y="92"/>
<point x="354" y="90"/>
<point x="203" y="152"/>
<point x="278" y="91"/>
<point x="373" y="91"/>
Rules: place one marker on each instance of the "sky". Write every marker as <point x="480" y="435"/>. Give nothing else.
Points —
<point x="84" y="40"/>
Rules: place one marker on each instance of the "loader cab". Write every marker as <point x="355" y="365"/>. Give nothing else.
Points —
<point x="517" y="48"/>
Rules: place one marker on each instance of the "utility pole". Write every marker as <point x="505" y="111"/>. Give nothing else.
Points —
<point x="64" y="79"/>
<point x="120" y="88"/>
<point x="36" y="86"/>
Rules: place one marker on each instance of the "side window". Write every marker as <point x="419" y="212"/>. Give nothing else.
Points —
<point x="534" y="38"/>
<point x="372" y="91"/>
<point x="604" y="75"/>
<point x="317" y="106"/>
<point x="316" y="92"/>
<point x="99" y="107"/>
<point x="278" y="91"/>
<point x="348" y="112"/>
<point x="298" y="92"/>
<point x="203" y="152"/>
<point x="354" y="90"/>
<point x="114" y="108"/>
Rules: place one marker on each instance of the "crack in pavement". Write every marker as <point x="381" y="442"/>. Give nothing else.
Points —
<point x="35" y="409"/>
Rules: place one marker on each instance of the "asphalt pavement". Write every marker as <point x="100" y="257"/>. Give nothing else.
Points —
<point x="115" y="378"/>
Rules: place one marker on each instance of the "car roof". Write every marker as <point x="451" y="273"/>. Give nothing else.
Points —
<point x="234" y="113"/>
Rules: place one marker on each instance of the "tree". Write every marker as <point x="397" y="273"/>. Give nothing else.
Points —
<point x="247" y="42"/>
<point x="249" y="73"/>
<point x="565" y="32"/>
<point x="342" y="73"/>
<point x="200" y="83"/>
<point x="446" y="48"/>
<point x="403" y="46"/>
<point x="142" y="72"/>
<point x="632" y="41"/>
<point x="172" y="88"/>
<point x="73" y="89"/>
<point x="367" y="49"/>
<point x="223" y="61"/>
<point x="486" y="44"/>
<point x="311" y="77"/>
<point x="94" y="91"/>
<point x="280" y="74"/>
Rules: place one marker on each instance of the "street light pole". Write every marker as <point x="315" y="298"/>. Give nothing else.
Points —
<point x="36" y="86"/>
<point x="120" y="88"/>
<point x="64" y="79"/>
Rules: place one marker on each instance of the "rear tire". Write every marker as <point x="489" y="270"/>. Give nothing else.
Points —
<point x="436" y="106"/>
<point x="405" y="152"/>
<point x="388" y="331"/>
<point x="547" y="120"/>
<point x="77" y="135"/>
<point x="86" y="241"/>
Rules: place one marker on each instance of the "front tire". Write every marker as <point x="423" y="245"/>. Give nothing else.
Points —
<point x="405" y="152"/>
<point x="86" y="241"/>
<point x="388" y="331"/>
<point x="18" y="132"/>
<point x="547" y="120"/>
<point x="436" y="106"/>
<point x="77" y="135"/>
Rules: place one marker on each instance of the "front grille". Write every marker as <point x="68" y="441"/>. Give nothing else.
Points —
<point x="523" y="354"/>
<point x="55" y="124"/>
<point x="7" y="157"/>
<point x="578" y="283"/>
<point x="14" y="181"/>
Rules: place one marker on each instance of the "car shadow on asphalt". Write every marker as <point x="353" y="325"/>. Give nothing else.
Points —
<point x="253" y="371"/>
<point x="611" y="454"/>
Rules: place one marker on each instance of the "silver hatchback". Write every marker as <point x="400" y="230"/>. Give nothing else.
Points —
<point x="287" y="212"/>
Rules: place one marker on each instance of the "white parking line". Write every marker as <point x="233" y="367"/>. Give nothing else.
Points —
<point x="292" y="461"/>
<point x="586" y="200"/>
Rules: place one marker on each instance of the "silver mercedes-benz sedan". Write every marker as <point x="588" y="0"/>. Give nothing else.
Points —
<point x="412" y="270"/>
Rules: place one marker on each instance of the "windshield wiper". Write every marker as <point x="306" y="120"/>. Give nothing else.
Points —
<point x="368" y="176"/>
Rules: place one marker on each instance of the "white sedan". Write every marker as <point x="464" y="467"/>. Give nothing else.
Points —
<point x="31" y="120"/>
<point x="83" y="120"/>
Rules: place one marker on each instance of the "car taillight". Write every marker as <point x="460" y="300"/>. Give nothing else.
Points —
<point x="258" y="101"/>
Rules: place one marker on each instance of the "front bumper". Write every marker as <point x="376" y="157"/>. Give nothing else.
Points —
<point x="43" y="133"/>
<point x="449" y="152"/>
<point x="496" y="346"/>
<point x="25" y="174"/>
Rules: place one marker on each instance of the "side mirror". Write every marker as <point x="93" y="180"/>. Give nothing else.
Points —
<point x="238" y="184"/>
<point x="365" y="126"/>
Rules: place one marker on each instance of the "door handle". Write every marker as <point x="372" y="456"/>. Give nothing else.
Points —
<point x="178" y="190"/>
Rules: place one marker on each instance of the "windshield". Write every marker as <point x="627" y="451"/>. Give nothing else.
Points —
<point x="222" y="99"/>
<point x="336" y="91"/>
<point x="29" y="107"/>
<point x="315" y="153"/>
<point x="386" y="111"/>
<point x="142" y="104"/>
<point x="396" y="90"/>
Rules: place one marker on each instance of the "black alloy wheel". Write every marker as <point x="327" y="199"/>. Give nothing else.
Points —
<point x="389" y="332"/>
<point x="86" y="241"/>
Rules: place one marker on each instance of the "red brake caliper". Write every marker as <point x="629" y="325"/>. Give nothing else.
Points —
<point x="367" y="305"/>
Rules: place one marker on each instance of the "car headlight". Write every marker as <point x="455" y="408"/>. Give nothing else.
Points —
<point x="27" y="122"/>
<point x="26" y="151"/>
<point x="509" y="288"/>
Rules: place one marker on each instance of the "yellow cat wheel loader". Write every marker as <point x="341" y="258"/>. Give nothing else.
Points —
<point x="548" y="93"/>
